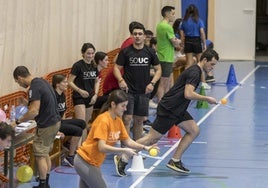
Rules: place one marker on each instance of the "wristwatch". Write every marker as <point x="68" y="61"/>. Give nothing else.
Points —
<point x="17" y="121"/>
<point x="152" y="83"/>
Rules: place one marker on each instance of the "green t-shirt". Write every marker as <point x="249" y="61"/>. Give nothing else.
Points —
<point x="165" y="48"/>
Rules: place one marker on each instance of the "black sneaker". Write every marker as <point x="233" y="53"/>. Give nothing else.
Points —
<point x="69" y="160"/>
<point x="210" y="79"/>
<point x="41" y="186"/>
<point x="177" y="166"/>
<point x="120" y="166"/>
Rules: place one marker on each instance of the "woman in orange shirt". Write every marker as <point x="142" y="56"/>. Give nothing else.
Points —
<point x="106" y="130"/>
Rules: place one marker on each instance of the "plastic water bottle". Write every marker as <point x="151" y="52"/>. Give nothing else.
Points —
<point x="13" y="113"/>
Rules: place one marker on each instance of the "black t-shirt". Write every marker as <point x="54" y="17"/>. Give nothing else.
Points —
<point x="85" y="77"/>
<point x="48" y="114"/>
<point x="61" y="100"/>
<point x="136" y="63"/>
<point x="174" y="100"/>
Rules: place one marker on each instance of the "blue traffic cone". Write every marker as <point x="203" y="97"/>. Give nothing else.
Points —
<point x="231" y="80"/>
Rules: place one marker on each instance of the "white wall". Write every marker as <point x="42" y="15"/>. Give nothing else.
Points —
<point x="47" y="35"/>
<point x="235" y="23"/>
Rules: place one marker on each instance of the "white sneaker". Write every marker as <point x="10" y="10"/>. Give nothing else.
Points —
<point x="152" y="104"/>
<point x="205" y="85"/>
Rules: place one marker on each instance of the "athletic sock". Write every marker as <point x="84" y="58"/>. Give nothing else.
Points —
<point x="176" y="160"/>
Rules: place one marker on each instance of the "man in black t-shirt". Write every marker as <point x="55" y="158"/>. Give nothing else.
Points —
<point x="136" y="60"/>
<point x="172" y="110"/>
<point x="43" y="109"/>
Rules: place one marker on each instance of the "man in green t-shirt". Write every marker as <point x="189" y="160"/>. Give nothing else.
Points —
<point x="166" y="41"/>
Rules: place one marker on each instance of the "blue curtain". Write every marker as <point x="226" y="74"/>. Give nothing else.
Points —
<point x="202" y="6"/>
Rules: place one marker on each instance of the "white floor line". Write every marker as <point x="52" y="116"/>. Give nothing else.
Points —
<point x="198" y="123"/>
<point x="199" y="142"/>
<point x="154" y="165"/>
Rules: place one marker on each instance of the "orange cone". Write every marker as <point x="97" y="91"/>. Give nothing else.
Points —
<point x="174" y="132"/>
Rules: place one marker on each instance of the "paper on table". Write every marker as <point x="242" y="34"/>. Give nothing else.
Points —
<point x="20" y="129"/>
<point x="24" y="124"/>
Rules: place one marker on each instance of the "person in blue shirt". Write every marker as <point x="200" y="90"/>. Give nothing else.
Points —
<point x="193" y="37"/>
<point x="192" y="33"/>
<point x="180" y="58"/>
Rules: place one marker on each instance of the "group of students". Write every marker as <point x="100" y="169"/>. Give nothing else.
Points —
<point x="129" y="102"/>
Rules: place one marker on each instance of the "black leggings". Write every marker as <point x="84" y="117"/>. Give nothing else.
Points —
<point x="72" y="127"/>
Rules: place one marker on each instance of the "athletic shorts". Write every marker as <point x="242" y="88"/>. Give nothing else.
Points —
<point x="193" y="45"/>
<point x="100" y="101"/>
<point x="165" y="120"/>
<point x="167" y="68"/>
<point x="138" y="104"/>
<point x="44" y="139"/>
<point x="85" y="101"/>
<point x="72" y="127"/>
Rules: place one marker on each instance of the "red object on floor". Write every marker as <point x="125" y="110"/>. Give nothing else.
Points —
<point x="174" y="132"/>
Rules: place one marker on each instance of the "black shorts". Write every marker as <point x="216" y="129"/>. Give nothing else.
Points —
<point x="138" y="104"/>
<point x="85" y="101"/>
<point x="165" y="120"/>
<point x="193" y="45"/>
<point x="100" y="101"/>
<point x="72" y="127"/>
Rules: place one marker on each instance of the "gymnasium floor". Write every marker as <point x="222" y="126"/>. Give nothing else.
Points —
<point x="231" y="150"/>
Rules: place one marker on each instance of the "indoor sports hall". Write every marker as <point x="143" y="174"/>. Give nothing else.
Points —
<point x="229" y="152"/>
<point x="232" y="147"/>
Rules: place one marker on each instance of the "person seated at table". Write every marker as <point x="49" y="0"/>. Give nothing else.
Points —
<point x="69" y="127"/>
<point x="6" y="134"/>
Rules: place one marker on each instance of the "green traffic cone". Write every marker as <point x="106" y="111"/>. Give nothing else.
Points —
<point x="202" y="104"/>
